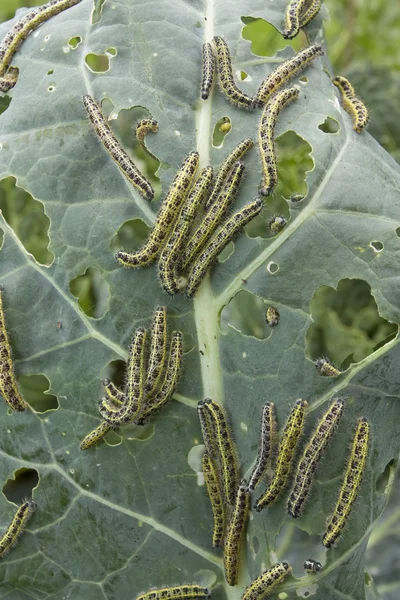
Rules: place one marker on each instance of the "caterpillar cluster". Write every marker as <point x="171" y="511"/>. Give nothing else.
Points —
<point x="299" y="13"/>
<point x="149" y="382"/>
<point x="186" y="253"/>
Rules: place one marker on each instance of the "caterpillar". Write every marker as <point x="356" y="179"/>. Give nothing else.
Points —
<point x="288" y="69"/>
<point x="235" y="533"/>
<point x="276" y="224"/>
<point x="286" y="452"/>
<point x="312" y="455"/>
<point x="326" y="368"/>
<point x="143" y="127"/>
<point x="267" y="435"/>
<point x="180" y="592"/>
<point x="237" y="153"/>
<point x="207" y="430"/>
<point x="208" y="70"/>
<point x="225" y="234"/>
<point x="352" y="104"/>
<point x="171" y="256"/>
<point x="266" y="133"/>
<point x="309" y="13"/>
<point x="23" y="27"/>
<point x="227" y="452"/>
<point x="350" y="485"/>
<point x="166" y="217"/>
<point x="8" y="383"/>
<point x="113" y="147"/>
<point x="8" y="81"/>
<point x="272" y="316"/>
<point x="225" y="75"/>
<point x="217" y="504"/>
<point x="312" y="566"/>
<point x="158" y="349"/>
<point x="214" y="216"/>
<point x="95" y="436"/>
<point x="298" y="14"/>
<point x="9" y="539"/>
<point x="171" y="380"/>
<point x="265" y="583"/>
<point x="135" y="379"/>
<point x="113" y="393"/>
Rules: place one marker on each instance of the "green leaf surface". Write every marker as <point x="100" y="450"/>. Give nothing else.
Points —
<point x="119" y="519"/>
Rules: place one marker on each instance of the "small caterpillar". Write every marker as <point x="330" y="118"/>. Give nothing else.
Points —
<point x="263" y="585"/>
<point x="352" y="104"/>
<point x="171" y="257"/>
<point x="235" y="533"/>
<point x="217" y="503"/>
<point x="113" y="147"/>
<point x="350" y="484"/>
<point x="276" y="224"/>
<point x="158" y="349"/>
<point x="227" y="452"/>
<point x="272" y="316"/>
<point x="312" y="455"/>
<point x="296" y="197"/>
<point x="288" y="69"/>
<point x="298" y="14"/>
<point x="22" y="28"/>
<point x="171" y="379"/>
<point x="8" y="383"/>
<point x="95" y="436"/>
<point x="326" y="368"/>
<point x="208" y="70"/>
<point x="266" y="133"/>
<point x="9" y="539"/>
<point x="207" y="430"/>
<point x="143" y="127"/>
<point x="166" y="217"/>
<point x="179" y="592"/>
<point x="214" y="216"/>
<point x="267" y="435"/>
<point x="225" y="234"/>
<point x="225" y="75"/>
<point x="312" y="566"/>
<point x="237" y="153"/>
<point x="286" y="452"/>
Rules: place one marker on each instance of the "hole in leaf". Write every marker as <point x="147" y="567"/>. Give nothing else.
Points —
<point x="74" y="42"/>
<point x="265" y="39"/>
<point x="27" y="218"/>
<point x="34" y="388"/>
<point x="398" y="231"/>
<point x="4" y="103"/>
<point x="92" y="292"/>
<point x="51" y="88"/>
<point x="294" y="162"/>
<point x="385" y="479"/>
<point x="243" y="75"/>
<point x="131" y="235"/>
<point x="112" y="439"/>
<point x="97" y="63"/>
<point x="1" y="238"/>
<point x="21" y="486"/>
<point x="115" y="371"/>
<point x="50" y="72"/>
<point x="272" y="267"/>
<point x="245" y="313"/>
<point x="303" y="79"/>
<point x="97" y="10"/>
<point x="111" y="51"/>
<point x="329" y="125"/>
<point x="221" y="130"/>
<point x="377" y="246"/>
<point x="347" y="326"/>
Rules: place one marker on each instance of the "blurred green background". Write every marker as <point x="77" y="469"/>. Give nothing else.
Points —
<point x="362" y="38"/>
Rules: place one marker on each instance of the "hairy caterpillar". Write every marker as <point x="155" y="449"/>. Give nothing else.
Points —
<point x="225" y="75"/>
<point x="276" y="224"/>
<point x="171" y="256"/>
<point x="113" y="147"/>
<point x="208" y="70"/>
<point x="113" y="393"/>
<point x="309" y="13"/>
<point x="225" y="234"/>
<point x="272" y="316"/>
<point x="143" y="127"/>
<point x="267" y="435"/>
<point x="207" y="429"/>
<point x="266" y="133"/>
<point x="326" y="368"/>
<point x="312" y="455"/>
<point x="158" y="349"/>
<point x="20" y="31"/>
<point x="288" y="69"/>
<point x="166" y="217"/>
<point x="16" y="527"/>
<point x="9" y="79"/>
<point x="227" y="453"/>
<point x="286" y="452"/>
<point x="95" y="436"/>
<point x="237" y="153"/>
<point x="234" y="534"/>
<point x="312" y="566"/>
<point x="298" y="14"/>
<point x="350" y="484"/>
<point x="179" y="592"/>
<point x="8" y="383"/>
<point x="263" y="585"/>
<point x="217" y="504"/>
<point x="352" y="104"/>
<point x="214" y="216"/>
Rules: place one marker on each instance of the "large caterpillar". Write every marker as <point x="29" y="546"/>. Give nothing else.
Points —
<point x="352" y="104"/>
<point x="265" y="583"/>
<point x="267" y="434"/>
<point x="298" y="14"/>
<point x="166" y="217"/>
<point x="208" y="70"/>
<point x="216" y="499"/>
<point x="158" y="349"/>
<point x="16" y="527"/>
<point x="234" y="534"/>
<point x="180" y="592"/>
<point x="225" y="75"/>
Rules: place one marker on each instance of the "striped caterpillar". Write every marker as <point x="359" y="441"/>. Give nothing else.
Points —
<point x="225" y="76"/>
<point x="265" y="583"/>
<point x="179" y="592"/>
<point x="9" y="539"/>
<point x="208" y="70"/>
<point x="298" y="14"/>
<point x="352" y="104"/>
